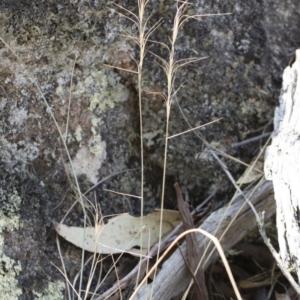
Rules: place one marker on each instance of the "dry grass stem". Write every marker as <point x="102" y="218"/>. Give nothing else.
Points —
<point x="123" y="194"/>
<point x="70" y="97"/>
<point x="192" y="129"/>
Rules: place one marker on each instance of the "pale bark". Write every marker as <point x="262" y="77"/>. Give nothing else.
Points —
<point x="282" y="166"/>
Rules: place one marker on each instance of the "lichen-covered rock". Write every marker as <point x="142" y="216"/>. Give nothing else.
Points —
<point x="64" y="46"/>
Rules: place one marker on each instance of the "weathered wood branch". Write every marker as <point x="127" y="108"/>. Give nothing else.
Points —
<point x="193" y="252"/>
<point x="174" y="276"/>
<point x="282" y="166"/>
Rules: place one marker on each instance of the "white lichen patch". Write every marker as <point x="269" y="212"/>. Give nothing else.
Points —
<point x="149" y="136"/>
<point x="101" y="101"/>
<point x="54" y="291"/>
<point x="59" y="90"/>
<point x="100" y="78"/>
<point x="79" y="89"/>
<point x="78" y="133"/>
<point x="18" y="153"/>
<point x="63" y="87"/>
<point x="89" y="160"/>
<point x="88" y="81"/>
<point x="98" y="147"/>
<point x="110" y="91"/>
<point x="95" y="123"/>
<point x="17" y="116"/>
<point x="3" y="102"/>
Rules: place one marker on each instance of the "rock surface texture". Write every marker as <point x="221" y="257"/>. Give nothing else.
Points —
<point x="64" y="46"/>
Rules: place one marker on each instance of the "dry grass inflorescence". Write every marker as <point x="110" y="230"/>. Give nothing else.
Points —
<point x="95" y="278"/>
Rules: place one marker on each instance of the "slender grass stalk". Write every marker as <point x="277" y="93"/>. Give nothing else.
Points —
<point x="141" y="40"/>
<point x="70" y="97"/>
<point x="170" y="72"/>
<point x="64" y="271"/>
<point x="170" y="68"/>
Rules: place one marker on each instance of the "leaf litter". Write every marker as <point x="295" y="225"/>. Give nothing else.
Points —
<point x="121" y="234"/>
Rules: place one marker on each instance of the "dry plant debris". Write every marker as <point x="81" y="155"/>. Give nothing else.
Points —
<point x="229" y="224"/>
<point x="193" y="251"/>
<point x="121" y="233"/>
<point x="253" y="172"/>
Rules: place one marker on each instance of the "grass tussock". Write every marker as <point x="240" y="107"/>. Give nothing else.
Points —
<point x="91" y="281"/>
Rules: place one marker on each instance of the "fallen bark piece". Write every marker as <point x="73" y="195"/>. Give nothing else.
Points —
<point x="173" y="278"/>
<point x="121" y="233"/>
<point x="282" y="166"/>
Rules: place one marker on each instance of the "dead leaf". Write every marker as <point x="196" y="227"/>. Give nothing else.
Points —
<point x="121" y="233"/>
<point x="255" y="173"/>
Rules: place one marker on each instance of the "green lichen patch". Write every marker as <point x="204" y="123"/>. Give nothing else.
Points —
<point x="8" y="282"/>
<point x="9" y="221"/>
